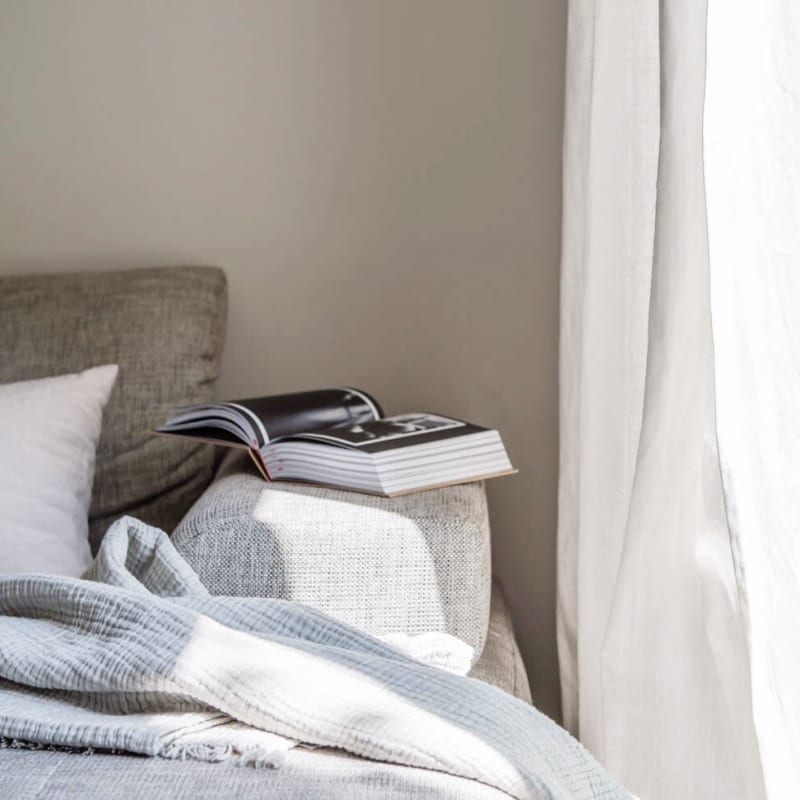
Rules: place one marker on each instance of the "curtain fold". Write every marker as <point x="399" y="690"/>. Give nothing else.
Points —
<point x="610" y="159"/>
<point x="679" y="505"/>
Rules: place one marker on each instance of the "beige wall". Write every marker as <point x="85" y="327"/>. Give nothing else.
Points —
<point x="380" y="180"/>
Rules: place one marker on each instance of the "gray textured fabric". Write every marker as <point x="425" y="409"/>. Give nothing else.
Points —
<point x="501" y="662"/>
<point x="412" y="564"/>
<point x="317" y="775"/>
<point x="143" y="636"/>
<point x="165" y="328"/>
<point x="321" y="774"/>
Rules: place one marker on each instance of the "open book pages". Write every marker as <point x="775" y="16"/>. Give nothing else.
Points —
<point x="339" y="437"/>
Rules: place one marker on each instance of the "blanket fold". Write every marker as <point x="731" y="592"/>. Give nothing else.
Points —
<point x="139" y="657"/>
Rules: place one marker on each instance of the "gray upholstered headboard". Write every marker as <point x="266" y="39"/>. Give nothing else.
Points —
<point x="165" y="328"/>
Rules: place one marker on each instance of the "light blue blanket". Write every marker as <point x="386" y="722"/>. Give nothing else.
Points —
<point x="141" y="658"/>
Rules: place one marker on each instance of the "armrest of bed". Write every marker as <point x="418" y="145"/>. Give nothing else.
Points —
<point x="501" y="662"/>
<point x="417" y="563"/>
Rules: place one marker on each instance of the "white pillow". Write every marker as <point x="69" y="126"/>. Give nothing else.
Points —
<point x="48" y="437"/>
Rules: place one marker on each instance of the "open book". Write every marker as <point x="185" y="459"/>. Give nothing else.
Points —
<point x="340" y="438"/>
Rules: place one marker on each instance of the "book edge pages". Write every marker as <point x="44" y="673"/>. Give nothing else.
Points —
<point x="260" y="464"/>
<point x="265" y="475"/>
<point x="454" y="483"/>
<point x="425" y="488"/>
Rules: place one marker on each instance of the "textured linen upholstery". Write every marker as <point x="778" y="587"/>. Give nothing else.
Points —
<point x="165" y="329"/>
<point x="415" y="563"/>
<point x="501" y="662"/>
<point x="35" y="775"/>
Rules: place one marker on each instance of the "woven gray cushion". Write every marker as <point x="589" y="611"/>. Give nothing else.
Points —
<point x="415" y="563"/>
<point x="165" y="329"/>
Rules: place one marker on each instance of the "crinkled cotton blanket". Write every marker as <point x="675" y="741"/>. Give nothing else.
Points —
<point x="139" y="657"/>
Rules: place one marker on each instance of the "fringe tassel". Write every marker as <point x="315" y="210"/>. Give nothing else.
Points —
<point x="258" y="757"/>
<point x="262" y="758"/>
<point x="24" y="744"/>
<point x="194" y="751"/>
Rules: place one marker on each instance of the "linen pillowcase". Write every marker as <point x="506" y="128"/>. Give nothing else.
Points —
<point x="49" y="429"/>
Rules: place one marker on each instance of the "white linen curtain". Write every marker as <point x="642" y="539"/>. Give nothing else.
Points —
<point x="679" y="507"/>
